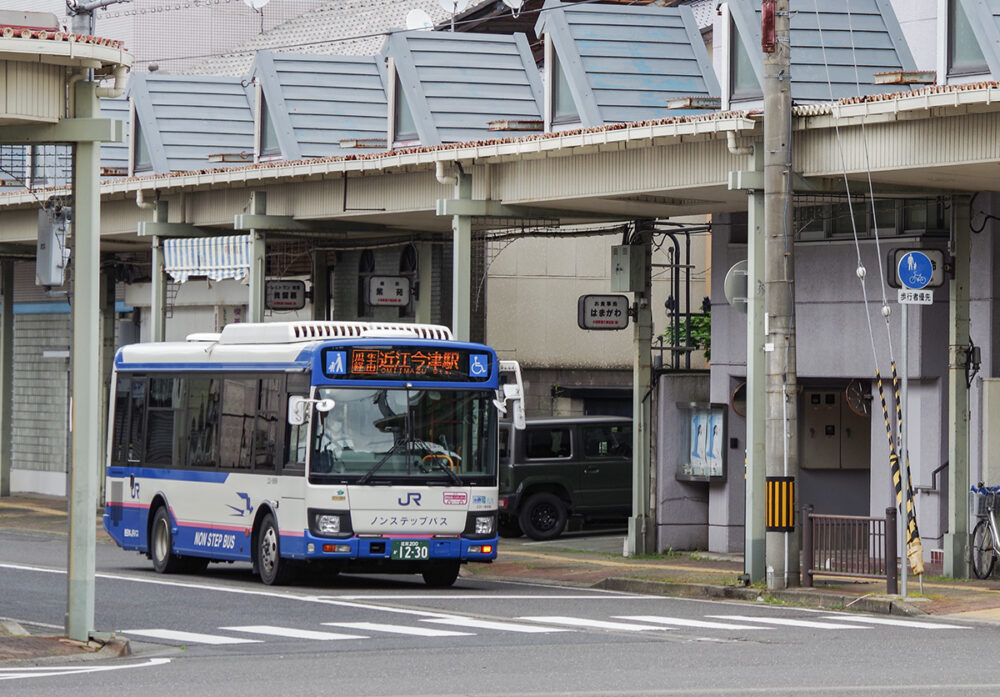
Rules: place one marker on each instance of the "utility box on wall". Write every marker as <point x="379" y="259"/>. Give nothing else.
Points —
<point x="832" y="435"/>
<point x="990" y="472"/>
<point x="628" y="268"/>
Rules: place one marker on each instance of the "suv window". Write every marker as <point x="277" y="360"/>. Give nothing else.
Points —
<point x="607" y="440"/>
<point x="504" y="435"/>
<point x="546" y="443"/>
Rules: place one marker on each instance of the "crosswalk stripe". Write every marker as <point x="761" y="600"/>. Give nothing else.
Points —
<point x="915" y="624"/>
<point x="594" y="624"/>
<point x="499" y="626"/>
<point x="189" y="637"/>
<point x="788" y="622"/>
<point x="292" y="633"/>
<point x="396" y="629"/>
<point x="680" y="622"/>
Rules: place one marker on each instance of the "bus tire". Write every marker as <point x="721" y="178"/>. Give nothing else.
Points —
<point x="161" y="544"/>
<point x="543" y="516"/>
<point x="441" y="574"/>
<point x="273" y="570"/>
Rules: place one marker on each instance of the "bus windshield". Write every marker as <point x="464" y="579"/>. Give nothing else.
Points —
<point x="387" y="435"/>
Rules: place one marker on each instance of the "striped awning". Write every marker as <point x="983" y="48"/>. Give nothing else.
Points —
<point x="214" y="257"/>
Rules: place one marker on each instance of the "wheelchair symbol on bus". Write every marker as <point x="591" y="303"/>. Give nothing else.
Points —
<point x="479" y="365"/>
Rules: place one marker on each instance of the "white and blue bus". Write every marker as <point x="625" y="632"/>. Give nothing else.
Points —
<point x="323" y="445"/>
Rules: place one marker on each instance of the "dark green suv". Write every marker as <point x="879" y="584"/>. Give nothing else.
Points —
<point x="556" y="468"/>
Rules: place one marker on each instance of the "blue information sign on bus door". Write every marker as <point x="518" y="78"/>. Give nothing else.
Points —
<point x="915" y="270"/>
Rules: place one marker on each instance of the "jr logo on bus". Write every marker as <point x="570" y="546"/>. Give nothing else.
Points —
<point x="411" y="497"/>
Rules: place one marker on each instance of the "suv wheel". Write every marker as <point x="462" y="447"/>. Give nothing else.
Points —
<point x="543" y="516"/>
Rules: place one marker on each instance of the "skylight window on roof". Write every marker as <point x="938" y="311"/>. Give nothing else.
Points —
<point x="268" y="146"/>
<point x="742" y="79"/>
<point x="563" y="107"/>
<point x="404" y="128"/>
<point x="965" y="56"/>
<point x="141" y="158"/>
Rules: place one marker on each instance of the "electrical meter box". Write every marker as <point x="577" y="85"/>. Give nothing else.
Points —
<point x="52" y="254"/>
<point x="628" y="268"/>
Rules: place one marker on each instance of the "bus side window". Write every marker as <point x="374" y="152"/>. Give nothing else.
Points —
<point x="296" y="443"/>
<point x="265" y="441"/>
<point x="203" y="417"/>
<point x="122" y="449"/>
<point x="239" y="408"/>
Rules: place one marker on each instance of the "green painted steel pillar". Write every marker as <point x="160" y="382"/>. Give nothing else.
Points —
<point x="6" y="374"/>
<point x="425" y="282"/>
<point x="85" y="421"/>
<point x="461" y="228"/>
<point x="255" y="307"/>
<point x="158" y="281"/>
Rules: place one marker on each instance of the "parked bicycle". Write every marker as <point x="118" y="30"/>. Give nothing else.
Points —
<point x="985" y="535"/>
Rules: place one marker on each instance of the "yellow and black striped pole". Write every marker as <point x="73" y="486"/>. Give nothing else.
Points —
<point x="779" y="504"/>
<point x="914" y="547"/>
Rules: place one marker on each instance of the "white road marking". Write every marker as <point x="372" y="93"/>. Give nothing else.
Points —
<point x="915" y="624"/>
<point x="595" y="624"/>
<point x="787" y="622"/>
<point x="489" y="624"/>
<point x="291" y="632"/>
<point x="53" y="671"/>
<point x="396" y="629"/>
<point x="680" y="622"/>
<point x="189" y="637"/>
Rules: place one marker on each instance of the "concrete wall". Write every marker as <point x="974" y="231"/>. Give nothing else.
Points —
<point x="682" y="514"/>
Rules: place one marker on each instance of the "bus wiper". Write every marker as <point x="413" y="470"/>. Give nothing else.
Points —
<point x="437" y="461"/>
<point x="385" y="458"/>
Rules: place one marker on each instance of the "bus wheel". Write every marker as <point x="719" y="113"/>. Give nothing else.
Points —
<point x="161" y="544"/>
<point x="543" y="516"/>
<point x="272" y="568"/>
<point x="441" y="574"/>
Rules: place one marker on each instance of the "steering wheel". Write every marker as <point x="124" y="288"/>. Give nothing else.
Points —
<point x="439" y="456"/>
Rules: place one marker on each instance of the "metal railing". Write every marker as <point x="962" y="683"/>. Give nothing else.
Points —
<point x="842" y="545"/>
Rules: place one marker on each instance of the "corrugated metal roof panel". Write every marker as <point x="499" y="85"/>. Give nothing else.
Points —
<point x="618" y="58"/>
<point x="314" y="102"/>
<point x="456" y="83"/>
<point x="114" y="156"/>
<point x="852" y="39"/>
<point x="185" y="119"/>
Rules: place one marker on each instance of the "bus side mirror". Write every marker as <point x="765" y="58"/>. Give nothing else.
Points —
<point x="297" y="410"/>
<point x="297" y="406"/>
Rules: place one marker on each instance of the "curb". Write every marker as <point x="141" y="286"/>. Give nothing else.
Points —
<point x="831" y="601"/>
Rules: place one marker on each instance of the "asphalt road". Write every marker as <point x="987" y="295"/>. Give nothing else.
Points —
<point x="223" y="633"/>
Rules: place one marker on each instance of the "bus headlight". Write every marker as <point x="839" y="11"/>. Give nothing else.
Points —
<point x="484" y="524"/>
<point x="328" y="524"/>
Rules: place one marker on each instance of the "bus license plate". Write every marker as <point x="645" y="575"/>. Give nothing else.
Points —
<point x="410" y="550"/>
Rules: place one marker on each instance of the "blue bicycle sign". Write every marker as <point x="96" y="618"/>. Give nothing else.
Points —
<point x="915" y="270"/>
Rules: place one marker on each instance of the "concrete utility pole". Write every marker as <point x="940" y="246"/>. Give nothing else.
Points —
<point x="781" y="439"/>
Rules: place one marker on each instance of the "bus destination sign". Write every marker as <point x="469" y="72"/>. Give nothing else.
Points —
<point x="406" y="363"/>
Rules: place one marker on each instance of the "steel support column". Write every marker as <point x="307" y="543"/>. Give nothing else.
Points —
<point x="461" y="229"/>
<point x="6" y="373"/>
<point x="158" y="281"/>
<point x="255" y="306"/>
<point x="86" y="384"/>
